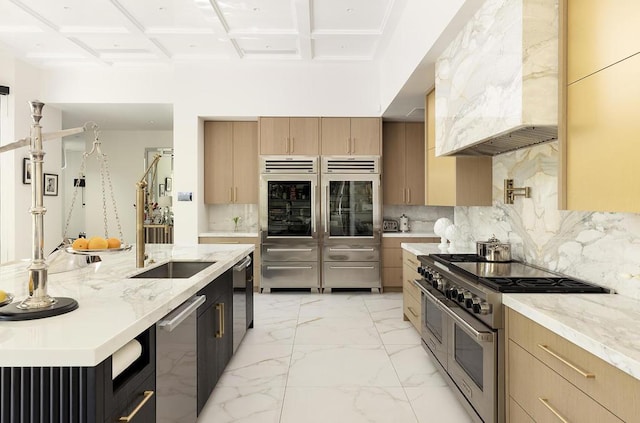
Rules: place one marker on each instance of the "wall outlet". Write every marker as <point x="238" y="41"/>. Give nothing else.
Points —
<point x="185" y="196"/>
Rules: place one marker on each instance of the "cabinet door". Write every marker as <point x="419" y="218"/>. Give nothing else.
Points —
<point x="414" y="163"/>
<point x="393" y="163"/>
<point x="274" y="135"/>
<point x="224" y="340"/>
<point x="245" y="162"/>
<point x="218" y="164"/>
<point x="365" y="136"/>
<point x="207" y="352"/>
<point x="600" y="33"/>
<point x="143" y="399"/>
<point x="304" y="136"/>
<point x="336" y="136"/>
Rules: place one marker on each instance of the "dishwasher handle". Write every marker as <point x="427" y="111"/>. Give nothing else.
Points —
<point x="245" y="263"/>
<point x="177" y="316"/>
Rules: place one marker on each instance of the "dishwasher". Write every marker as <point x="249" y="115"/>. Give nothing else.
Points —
<point x="176" y="364"/>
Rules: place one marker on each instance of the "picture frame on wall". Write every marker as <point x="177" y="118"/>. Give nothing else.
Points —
<point x="168" y="183"/>
<point x="50" y="184"/>
<point x="26" y="170"/>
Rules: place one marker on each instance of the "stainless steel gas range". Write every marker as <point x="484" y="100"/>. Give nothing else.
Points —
<point x="463" y="325"/>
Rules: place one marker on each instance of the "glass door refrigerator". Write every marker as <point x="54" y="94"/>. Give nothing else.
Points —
<point x="351" y="222"/>
<point x="289" y="211"/>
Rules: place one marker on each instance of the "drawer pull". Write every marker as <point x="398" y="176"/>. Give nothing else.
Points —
<point x="545" y="402"/>
<point x="147" y="397"/>
<point x="582" y="373"/>
<point x="220" y="332"/>
<point x="412" y="312"/>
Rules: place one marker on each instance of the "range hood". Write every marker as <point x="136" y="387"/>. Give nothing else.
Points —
<point x="497" y="82"/>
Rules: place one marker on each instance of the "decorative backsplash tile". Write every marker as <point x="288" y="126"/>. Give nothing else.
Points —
<point x="421" y="218"/>
<point x="603" y="248"/>
<point x="221" y="217"/>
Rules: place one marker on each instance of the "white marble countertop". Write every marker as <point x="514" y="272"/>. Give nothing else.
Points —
<point x="423" y="249"/>
<point x="112" y="310"/>
<point x="605" y="325"/>
<point x="229" y="234"/>
<point x="409" y="235"/>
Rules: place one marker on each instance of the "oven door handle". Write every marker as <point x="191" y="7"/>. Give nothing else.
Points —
<point x="480" y="336"/>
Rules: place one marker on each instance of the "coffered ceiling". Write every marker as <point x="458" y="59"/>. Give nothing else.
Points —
<point x="120" y="32"/>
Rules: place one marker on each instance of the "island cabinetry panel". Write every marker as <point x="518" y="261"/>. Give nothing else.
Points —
<point x="403" y="171"/>
<point x="289" y="136"/>
<point x="599" y="34"/>
<point x="239" y="240"/>
<point x="231" y="162"/>
<point x="214" y="334"/>
<point x="575" y="383"/>
<point x="454" y="181"/>
<point x="351" y="136"/>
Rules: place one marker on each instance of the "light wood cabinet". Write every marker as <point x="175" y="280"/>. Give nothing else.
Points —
<point x="599" y="34"/>
<point x="289" y="136"/>
<point x="403" y="172"/>
<point x="239" y="240"/>
<point x="576" y="384"/>
<point x="230" y="162"/>
<point x="411" y="299"/>
<point x="454" y="181"/>
<point x="351" y="136"/>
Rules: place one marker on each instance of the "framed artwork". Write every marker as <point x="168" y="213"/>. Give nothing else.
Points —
<point x="161" y="190"/>
<point x="26" y="170"/>
<point x="50" y="184"/>
<point x="167" y="184"/>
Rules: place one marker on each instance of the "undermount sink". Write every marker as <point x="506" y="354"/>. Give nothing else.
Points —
<point x="175" y="269"/>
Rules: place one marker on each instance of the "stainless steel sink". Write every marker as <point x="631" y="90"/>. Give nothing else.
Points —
<point x="175" y="269"/>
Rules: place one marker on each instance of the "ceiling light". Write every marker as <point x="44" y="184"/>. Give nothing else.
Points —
<point x="162" y="9"/>
<point x="66" y="7"/>
<point x="151" y="122"/>
<point x="256" y="9"/>
<point x="349" y="10"/>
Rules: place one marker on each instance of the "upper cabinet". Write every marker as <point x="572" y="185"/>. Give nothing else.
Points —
<point x="454" y="181"/>
<point x="351" y="136"/>
<point x="599" y="165"/>
<point x="403" y="172"/>
<point x="231" y="162"/>
<point x="497" y="82"/>
<point x="289" y="135"/>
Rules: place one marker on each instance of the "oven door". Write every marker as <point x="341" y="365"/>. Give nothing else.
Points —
<point x="473" y="360"/>
<point x="434" y="324"/>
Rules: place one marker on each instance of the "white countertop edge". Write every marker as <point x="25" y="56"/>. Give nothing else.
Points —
<point x="89" y="356"/>
<point x="409" y="235"/>
<point x="423" y="249"/>
<point x="229" y="234"/>
<point x="604" y="325"/>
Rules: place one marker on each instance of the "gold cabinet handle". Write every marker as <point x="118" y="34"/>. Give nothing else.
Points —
<point x="404" y="195"/>
<point x="220" y="331"/>
<point x="408" y="195"/>
<point x="545" y="402"/>
<point x="352" y="148"/>
<point x="231" y="194"/>
<point x="413" y="262"/>
<point x="235" y="194"/>
<point x="412" y="312"/>
<point x="348" y="145"/>
<point x="582" y="373"/>
<point x="147" y="397"/>
<point x="291" y="140"/>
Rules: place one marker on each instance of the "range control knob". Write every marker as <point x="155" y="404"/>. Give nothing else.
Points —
<point x="437" y="283"/>
<point x="420" y="270"/>
<point x="482" y="308"/>
<point x="453" y="293"/>
<point x="463" y="296"/>
<point x="469" y="302"/>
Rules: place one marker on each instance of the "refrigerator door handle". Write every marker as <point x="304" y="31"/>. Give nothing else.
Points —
<point x="326" y="210"/>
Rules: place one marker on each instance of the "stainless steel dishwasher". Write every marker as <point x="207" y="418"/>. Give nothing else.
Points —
<point x="176" y="364"/>
<point x="242" y="287"/>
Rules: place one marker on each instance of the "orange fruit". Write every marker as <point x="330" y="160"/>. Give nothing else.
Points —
<point x="80" y="244"/>
<point x="113" y="243"/>
<point x="98" y="243"/>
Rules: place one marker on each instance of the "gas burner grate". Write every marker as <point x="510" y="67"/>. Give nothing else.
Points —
<point x="458" y="258"/>
<point x="541" y="285"/>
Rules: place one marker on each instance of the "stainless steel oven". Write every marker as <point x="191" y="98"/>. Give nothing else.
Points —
<point x="465" y="348"/>
<point x="351" y="222"/>
<point x="289" y="212"/>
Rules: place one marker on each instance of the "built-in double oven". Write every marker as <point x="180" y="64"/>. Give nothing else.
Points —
<point x="467" y="351"/>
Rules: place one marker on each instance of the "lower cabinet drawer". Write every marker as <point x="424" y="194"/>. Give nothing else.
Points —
<point x="407" y="283"/>
<point x="517" y="414"/>
<point x="139" y="406"/>
<point x="411" y="308"/>
<point x="353" y="274"/>
<point x="290" y="275"/>
<point x="548" y="397"/>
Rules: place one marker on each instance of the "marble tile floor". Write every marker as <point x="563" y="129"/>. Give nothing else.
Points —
<point x="339" y="358"/>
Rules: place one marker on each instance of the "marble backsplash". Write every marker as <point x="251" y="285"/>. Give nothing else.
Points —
<point x="221" y="216"/>
<point x="603" y="248"/>
<point x="421" y="218"/>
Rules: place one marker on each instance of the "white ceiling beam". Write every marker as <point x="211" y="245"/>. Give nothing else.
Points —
<point x="233" y="47"/>
<point x="302" y="10"/>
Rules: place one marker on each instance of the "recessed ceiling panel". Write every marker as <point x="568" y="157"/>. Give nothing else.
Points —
<point x="12" y="18"/>
<point x="355" y="47"/>
<point x="257" y="15"/>
<point x="181" y="46"/>
<point x="42" y="45"/>
<point x="159" y="14"/>
<point x="114" y="42"/>
<point x="72" y="13"/>
<point x="268" y="45"/>
<point x="350" y="15"/>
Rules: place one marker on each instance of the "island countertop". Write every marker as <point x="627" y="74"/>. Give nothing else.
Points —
<point x="113" y="308"/>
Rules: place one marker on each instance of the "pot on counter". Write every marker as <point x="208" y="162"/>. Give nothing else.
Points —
<point x="493" y="250"/>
